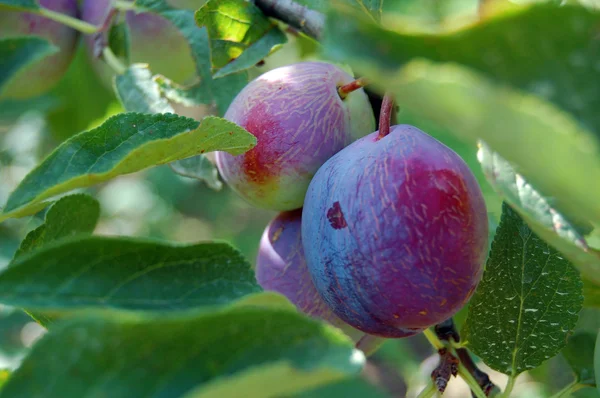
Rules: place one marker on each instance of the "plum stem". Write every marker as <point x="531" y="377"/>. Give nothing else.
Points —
<point x="428" y="391"/>
<point x="123" y="5"/>
<point x="385" y="117"/>
<point x="354" y="85"/>
<point x="111" y="59"/>
<point x="368" y="344"/>
<point x="69" y="21"/>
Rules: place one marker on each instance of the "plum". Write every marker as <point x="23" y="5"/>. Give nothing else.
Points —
<point x="300" y="120"/>
<point x="41" y="76"/>
<point x="395" y="232"/>
<point x="281" y="267"/>
<point x="154" y="40"/>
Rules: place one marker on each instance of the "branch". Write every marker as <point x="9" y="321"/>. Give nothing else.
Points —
<point x="309" y="22"/>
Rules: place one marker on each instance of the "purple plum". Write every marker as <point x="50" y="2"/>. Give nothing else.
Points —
<point x="154" y="40"/>
<point x="395" y="232"/>
<point x="281" y="267"/>
<point x="300" y="120"/>
<point x="41" y="76"/>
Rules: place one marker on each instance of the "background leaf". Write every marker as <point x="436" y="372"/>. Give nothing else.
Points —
<point x="218" y="92"/>
<point x="200" y="168"/>
<point x="597" y="361"/>
<point x="71" y="215"/>
<point x="128" y="274"/>
<point x="527" y="302"/>
<point x="240" y="34"/>
<point x="18" y="52"/>
<point x="541" y="215"/>
<point x="556" y="64"/>
<point x="349" y="388"/>
<point x="142" y="141"/>
<point x="579" y="353"/>
<point x="138" y="92"/>
<point x="125" y="356"/>
<point x="591" y="293"/>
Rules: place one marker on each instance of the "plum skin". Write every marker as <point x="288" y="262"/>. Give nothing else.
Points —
<point x="154" y="40"/>
<point x="395" y="232"/>
<point x="299" y="121"/>
<point x="281" y="267"/>
<point x="41" y="76"/>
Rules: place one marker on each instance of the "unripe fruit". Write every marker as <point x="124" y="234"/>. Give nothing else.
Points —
<point x="41" y="76"/>
<point x="281" y="267"/>
<point x="395" y="232"/>
<point x="154" y="40"/>
<point x="300" y="121"/>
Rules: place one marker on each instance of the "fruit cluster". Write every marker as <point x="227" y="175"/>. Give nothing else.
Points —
<point x="383" y="233"/>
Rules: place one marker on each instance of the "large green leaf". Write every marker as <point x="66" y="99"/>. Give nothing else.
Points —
<point x="527" y="302"/>
<point x="125" y="143"/>
<point x="126" y="273"/>
<point x="218" y="92"/>
<point x="579" y="353"/>
<point x="118" y="355"/>
<point x="17" y="53"/>
<point x="541" y="215"/>
<point x="69" y="216"/>
<point x="522" y="47"/>
<point x="240" y="34"/>
<point x="597" y="361"/>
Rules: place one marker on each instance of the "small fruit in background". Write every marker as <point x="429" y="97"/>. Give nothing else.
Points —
<point x="300" y="120"/>
<point x="41" y="76"/>
<point x="281" y="267"/>
<point x="395" y="232"/>
<point x="153" y="40"/>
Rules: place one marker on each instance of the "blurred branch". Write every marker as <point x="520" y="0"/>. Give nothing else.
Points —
<point x="309" y="22"/>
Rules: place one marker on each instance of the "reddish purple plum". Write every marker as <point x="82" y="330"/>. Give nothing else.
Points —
<point x="154" y="40"/>
<point x="300" y="120"/>
<point x="395" y="232"/>
<point x="41" y="76"/>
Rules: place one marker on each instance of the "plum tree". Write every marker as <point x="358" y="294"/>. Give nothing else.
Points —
<point x="395" y="232"/>
<point x="300" y="119"/>
<point x="151" y="37"/>
<point x="42" y="75"/>
<point x="281" y="267"/>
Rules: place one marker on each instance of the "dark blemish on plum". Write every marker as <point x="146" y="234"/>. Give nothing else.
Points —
<point x="336" y="217"/>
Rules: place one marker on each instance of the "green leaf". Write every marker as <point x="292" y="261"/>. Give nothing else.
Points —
<point x="119" y="40"/>
<point x="541" y="215"/>
<point x="522" y="48"/>
<point x="200" y="168"/>
<point x="83" y="99"/>
<point x="579" y="353"/>
<point x="124" y="144"/>
<point x="218" y="92"/>
<point x="586" y="392"/>
<point x="4" y="376"/>
<point x="21" y="4"/>
<point x="128" y="274"/>
<point x="349" y="388"/>
<point x="240" y="34"/>
<point x="138" y="92"/>
<point x="591" y="294"/>
<point x="237" y="349"/>
<point x="69" y="216"/>
<point x="17" y="53"/>
<point x="527" y="302"/>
